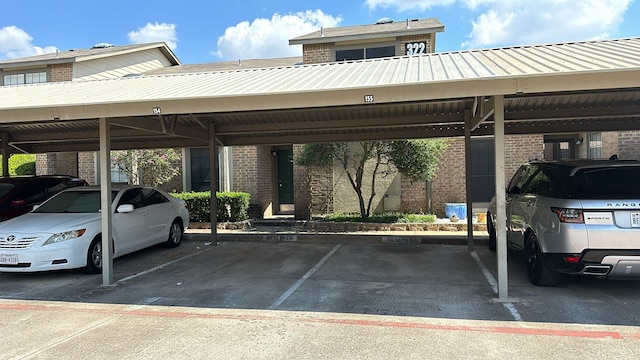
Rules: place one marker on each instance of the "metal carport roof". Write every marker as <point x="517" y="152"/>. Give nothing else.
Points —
<point x="583" y="86"/>
<point x="547" y="88"/>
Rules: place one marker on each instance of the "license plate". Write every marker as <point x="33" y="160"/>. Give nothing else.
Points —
<point x="635" y="219"/>
<point x="9" y="259"/>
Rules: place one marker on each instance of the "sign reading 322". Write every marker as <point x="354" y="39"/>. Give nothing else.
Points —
<point x="416" y="48"/>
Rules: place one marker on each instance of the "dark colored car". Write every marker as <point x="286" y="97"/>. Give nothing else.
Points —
<point x="19" y="194"/>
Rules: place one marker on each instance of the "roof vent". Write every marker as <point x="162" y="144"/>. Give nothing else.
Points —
<point x="102" y="45"/>
<point x="384" y="21"/>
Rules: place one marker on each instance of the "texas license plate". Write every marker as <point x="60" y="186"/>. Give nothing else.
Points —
<point x="9" y="259"/>
<point x="635" y="219"/>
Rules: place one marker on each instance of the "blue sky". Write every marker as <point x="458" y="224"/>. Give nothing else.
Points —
<point x="208" y="31"/>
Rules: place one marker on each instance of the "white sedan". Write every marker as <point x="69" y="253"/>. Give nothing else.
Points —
<point x="65" y="231"/>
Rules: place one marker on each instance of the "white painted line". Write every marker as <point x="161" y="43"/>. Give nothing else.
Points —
<point x="295" y="286"/>
<point x="512" y="309"/>
<point x="494" y="286"/>
<point x="160" y="266"/>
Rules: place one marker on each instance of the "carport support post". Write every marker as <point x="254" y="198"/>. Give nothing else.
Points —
<point x="213" y="176"/>
<point x="467" y="178"/>
<point x="501" y="231"/>
<point x="105" y="201"/>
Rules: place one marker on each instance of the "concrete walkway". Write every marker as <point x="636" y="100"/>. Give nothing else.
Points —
<point x="58" y="330"/>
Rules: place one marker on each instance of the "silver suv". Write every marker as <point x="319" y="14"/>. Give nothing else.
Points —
<point x="574" y="217"/>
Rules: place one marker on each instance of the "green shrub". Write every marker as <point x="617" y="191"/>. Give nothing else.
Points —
<point x="28" y="168"/>
<point x="21" y="164"/>
<point x="231" y="206"/>
<point x="419" y="218"/>
<point x="387" y="218"/>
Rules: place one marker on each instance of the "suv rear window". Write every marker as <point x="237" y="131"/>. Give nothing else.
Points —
<point x="615" y="183"/>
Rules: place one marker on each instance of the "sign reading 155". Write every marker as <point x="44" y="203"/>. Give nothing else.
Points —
<point x="416" y="48"/>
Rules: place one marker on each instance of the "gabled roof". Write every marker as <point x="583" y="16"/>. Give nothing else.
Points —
<point x="371" y="31"/>
<point x="78" y="55"/>
<point x="228" y="65"/>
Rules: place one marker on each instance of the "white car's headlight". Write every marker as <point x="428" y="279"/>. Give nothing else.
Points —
<point x="63" y="236"/>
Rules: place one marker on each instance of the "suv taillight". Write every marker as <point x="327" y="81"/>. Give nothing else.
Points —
<point x="569" y="215"/>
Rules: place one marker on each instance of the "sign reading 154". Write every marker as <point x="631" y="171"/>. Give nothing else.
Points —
<point x="416" y="48"/>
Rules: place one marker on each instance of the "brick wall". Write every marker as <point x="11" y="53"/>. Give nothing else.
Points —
<point x="87" y="167"/>
<point x="449" y="183"/>
<point x="61" y="72"/>
<point x="57" y="164"/>
<point x="413" y="196"/>
<point x="316" y="53"/>
<point x="520" y="149"/>
<point x="301" y="189"/>
<point x="253" y="168"/>
<point x="629" y="143"/>
<point x="313" y="188"/>
<point x="414" y="38"/>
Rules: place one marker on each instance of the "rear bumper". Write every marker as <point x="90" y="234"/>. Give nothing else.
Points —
<point x="613" y="263"/>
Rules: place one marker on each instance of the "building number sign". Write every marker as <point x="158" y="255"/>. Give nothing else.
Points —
<point x="368" y="98"/>
<point x="416" y="48"/>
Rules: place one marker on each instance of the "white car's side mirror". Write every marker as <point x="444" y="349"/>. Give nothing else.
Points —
<point x="125" y="208"/>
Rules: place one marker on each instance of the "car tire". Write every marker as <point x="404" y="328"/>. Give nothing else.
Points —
<point x="175" y="234"/>
<point x="94" y="257"/>
<point x="492" y="233"/>
<point x="539" y="273"/>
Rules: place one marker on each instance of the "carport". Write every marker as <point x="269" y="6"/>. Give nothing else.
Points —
<point x="586" y="86"/>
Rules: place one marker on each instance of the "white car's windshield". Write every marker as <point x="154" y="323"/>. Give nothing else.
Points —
<point x="73" y="202"/>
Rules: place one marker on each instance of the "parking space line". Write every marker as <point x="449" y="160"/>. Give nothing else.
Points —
<point x="161" y="266"/>
<point x="494" y="286"/>
<point x="295" y="286"/>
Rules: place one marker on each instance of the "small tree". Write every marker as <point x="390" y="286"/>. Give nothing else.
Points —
<point x="21" y="164"/>
<point x="147" y="167"/>
<point x="418" y="159"/>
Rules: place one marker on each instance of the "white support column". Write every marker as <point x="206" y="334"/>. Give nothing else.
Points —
<point x="501" y="231"/>
<point x="213" y="176"/>
<point x="467" y="178"/>
<point x="105" y="201"/>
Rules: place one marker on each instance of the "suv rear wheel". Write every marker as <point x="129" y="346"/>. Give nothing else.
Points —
<point x="539" y="273"/>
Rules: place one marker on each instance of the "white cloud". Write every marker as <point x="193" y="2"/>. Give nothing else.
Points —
<point x="516" y="22"/>
<point x="155" y="33"/>
<point x="16" y="43"/>
<point x="269" y="38"/>
<point x="405" y="5"/>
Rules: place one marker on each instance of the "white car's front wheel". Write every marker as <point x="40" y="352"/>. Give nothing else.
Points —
<point x="175" y="234"/>
<point x="94" y="257"/>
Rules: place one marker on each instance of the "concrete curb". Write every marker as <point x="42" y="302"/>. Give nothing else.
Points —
<point x="425" y="237"/>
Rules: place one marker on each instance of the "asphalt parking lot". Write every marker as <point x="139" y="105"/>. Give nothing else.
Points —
<point x="309" y="300"/>
<point x="423" y="280"/>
